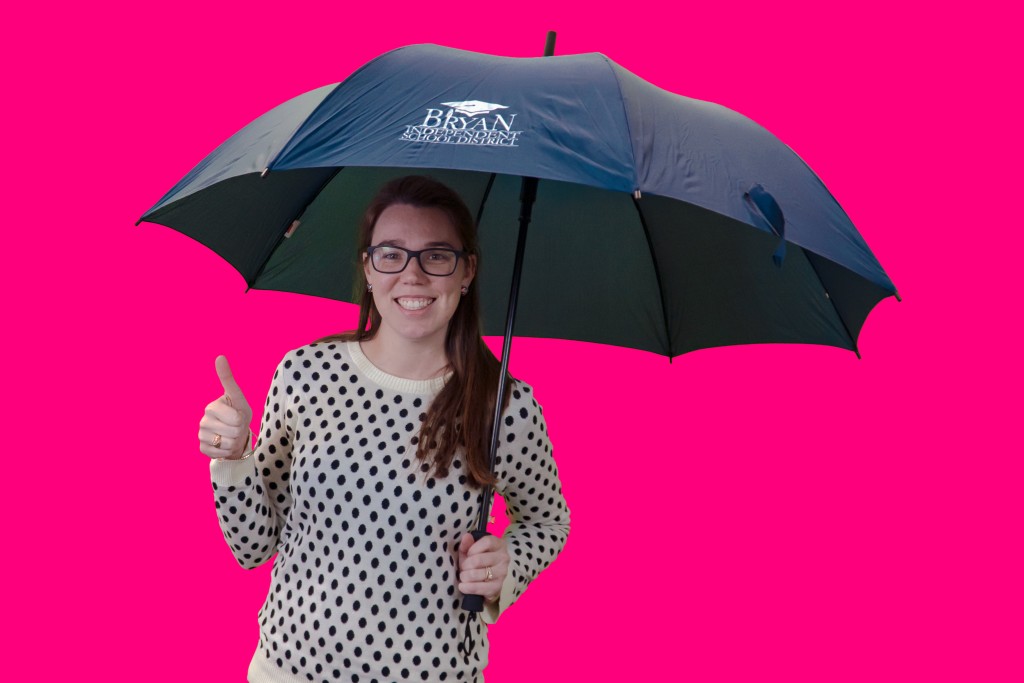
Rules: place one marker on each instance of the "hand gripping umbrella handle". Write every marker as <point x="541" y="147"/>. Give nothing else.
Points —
<point x="474" y="603"/>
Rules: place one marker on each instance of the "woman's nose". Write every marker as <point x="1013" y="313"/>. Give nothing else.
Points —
<point x="413" y="272"/>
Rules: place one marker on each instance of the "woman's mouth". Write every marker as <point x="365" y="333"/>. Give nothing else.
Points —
<point x="413" y="303"/>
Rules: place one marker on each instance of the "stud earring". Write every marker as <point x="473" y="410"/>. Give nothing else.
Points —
<point x="369" y="287"/>
<point x="464" y="290"/>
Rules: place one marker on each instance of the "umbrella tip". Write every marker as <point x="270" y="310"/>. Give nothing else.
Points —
<point x="898" y="298"/>
<point x="549" y="45"/>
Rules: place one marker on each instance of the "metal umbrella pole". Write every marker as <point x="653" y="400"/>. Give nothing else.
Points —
<point x="527" y="196"/>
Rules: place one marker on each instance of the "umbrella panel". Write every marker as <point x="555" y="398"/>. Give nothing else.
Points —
<point x="243" y="218"/>
<point x="587" y="271"/>
<point x="723" y="288"/>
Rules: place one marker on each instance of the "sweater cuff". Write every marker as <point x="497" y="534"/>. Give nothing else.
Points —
<point x="493" y="609"/>
<point x="232" y="473"/>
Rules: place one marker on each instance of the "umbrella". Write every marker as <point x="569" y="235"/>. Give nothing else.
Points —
<point x="659" y="222"/>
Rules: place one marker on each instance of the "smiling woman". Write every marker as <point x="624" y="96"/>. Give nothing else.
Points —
<point x="369" y="466"/>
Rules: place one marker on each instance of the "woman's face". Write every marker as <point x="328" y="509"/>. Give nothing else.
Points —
<point x="413" y="305"/>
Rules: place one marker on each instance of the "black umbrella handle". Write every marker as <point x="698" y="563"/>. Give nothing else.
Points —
<point x="474" y="603"/>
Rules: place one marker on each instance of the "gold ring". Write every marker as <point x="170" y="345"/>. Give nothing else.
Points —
<point x="489" y="574"/>
<point x="216" y="440"/>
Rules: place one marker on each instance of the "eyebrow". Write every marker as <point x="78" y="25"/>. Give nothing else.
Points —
<point x="401" y="243"/>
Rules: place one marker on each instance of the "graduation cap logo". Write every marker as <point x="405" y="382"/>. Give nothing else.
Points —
<point x="474" y="107"/>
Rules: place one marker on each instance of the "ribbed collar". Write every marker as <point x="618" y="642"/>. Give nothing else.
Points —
<point x="423" y="387"/>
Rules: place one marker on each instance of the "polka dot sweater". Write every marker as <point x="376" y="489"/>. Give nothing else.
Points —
<point x="363" y="585"/>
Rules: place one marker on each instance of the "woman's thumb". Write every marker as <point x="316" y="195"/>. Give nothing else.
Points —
<point x="231" y="389"/>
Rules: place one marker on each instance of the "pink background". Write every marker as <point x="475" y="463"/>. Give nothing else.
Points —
<point x="778" y="513"/>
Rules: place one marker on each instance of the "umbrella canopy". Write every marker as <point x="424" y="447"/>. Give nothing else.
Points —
<point x="661" y="222"/>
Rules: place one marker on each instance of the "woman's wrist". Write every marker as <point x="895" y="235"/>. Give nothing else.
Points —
<point x="246" y="453"/>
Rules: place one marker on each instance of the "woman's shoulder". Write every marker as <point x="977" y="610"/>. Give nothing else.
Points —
<point x="521" y="390"/>
<point x="523" y="425"/>
<point x="321" y="354"/>
<point x="522" y="403"/>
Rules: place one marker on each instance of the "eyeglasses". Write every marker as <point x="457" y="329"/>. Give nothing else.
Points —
<point x="389" y="259"/>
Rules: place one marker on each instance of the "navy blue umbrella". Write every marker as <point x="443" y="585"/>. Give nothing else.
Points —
<point x="659" y="222"/>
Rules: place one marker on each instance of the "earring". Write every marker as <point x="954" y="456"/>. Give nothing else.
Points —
<point x="369" y="287"/>
<point x="464" y="290"/>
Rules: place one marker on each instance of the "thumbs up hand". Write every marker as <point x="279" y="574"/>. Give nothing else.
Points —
<point x="224" y="429"/>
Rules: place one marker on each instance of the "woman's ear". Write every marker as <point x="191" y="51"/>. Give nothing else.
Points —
<point x="470" y="270"/>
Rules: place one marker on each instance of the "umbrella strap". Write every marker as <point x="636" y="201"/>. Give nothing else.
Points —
<point x="468" y="643"/>
<point x="474" y="604"/>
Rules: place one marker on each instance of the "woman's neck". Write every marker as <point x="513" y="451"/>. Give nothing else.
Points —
<point x="405" y="359"/>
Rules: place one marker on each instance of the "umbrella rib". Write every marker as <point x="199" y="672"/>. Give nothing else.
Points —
<point x="832" y="301"/>
<point x="629" y="129"/>
<point x="657" y="276"/>
<point x="483" y="200"/>
<point x="280" y="238"/>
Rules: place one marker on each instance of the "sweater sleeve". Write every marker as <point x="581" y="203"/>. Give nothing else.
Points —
<point x="528" y="481"/>
<point x="252" y="496"/>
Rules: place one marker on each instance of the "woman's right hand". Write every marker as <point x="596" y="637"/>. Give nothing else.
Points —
<point x="229" y="416"/>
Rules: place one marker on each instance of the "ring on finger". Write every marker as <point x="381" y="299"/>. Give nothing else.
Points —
<point x="489" y="575"/>
<point x="216" y="440"/>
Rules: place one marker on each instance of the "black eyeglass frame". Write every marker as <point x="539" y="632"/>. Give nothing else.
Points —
<point x="410" y="255"/>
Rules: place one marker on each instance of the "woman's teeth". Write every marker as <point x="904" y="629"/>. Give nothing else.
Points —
<point x="414" y="304"/>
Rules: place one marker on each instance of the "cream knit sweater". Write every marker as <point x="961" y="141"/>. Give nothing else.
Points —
<point x="364" y="580"/>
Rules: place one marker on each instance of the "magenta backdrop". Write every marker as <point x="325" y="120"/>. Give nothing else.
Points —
<point x="777" y="513"/>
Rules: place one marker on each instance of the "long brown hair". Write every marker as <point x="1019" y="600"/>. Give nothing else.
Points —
<point x="462" y="413"/>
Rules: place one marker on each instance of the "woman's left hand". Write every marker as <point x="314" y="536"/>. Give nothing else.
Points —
<point x="475" y="558"/>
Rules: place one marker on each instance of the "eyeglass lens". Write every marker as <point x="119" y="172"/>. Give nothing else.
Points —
<point x="432" y="261"/>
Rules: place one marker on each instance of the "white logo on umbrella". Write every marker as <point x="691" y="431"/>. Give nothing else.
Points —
<point x="468" y="122"/>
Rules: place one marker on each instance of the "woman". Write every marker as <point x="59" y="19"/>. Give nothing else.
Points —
<point x="368" y="469"/>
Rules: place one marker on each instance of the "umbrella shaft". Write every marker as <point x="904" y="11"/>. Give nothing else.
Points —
<point x="527" y="196"/>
